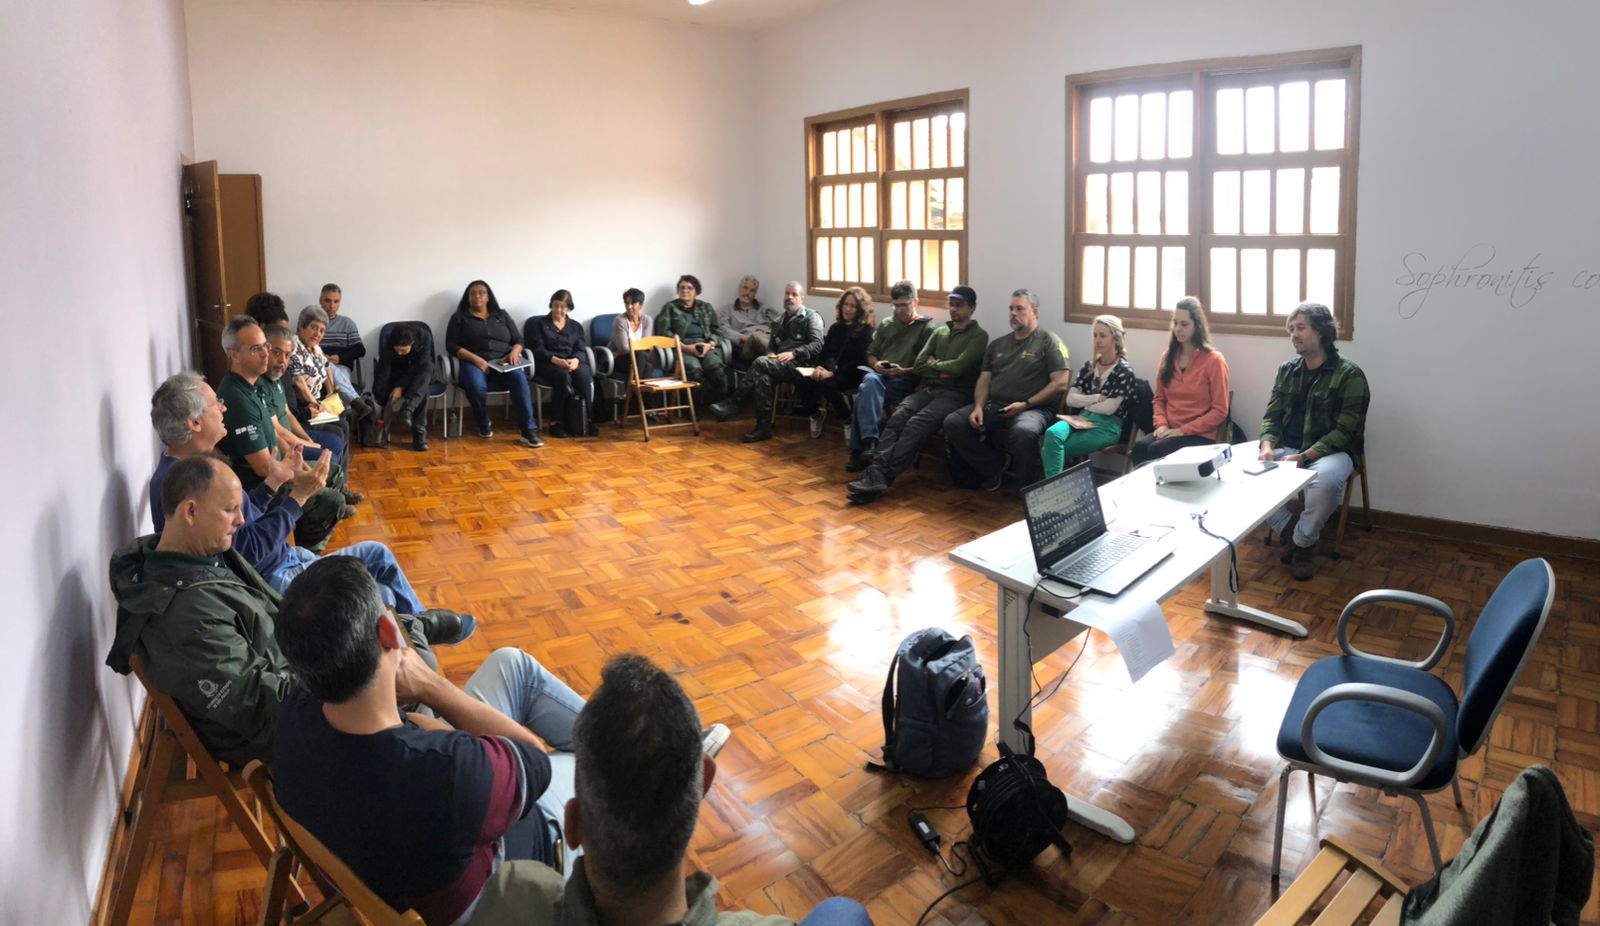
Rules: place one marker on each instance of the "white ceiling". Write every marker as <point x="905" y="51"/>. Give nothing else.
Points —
<point x="749" y="15"/>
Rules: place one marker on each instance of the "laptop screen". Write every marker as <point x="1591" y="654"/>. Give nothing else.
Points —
<point x="1063" y="514"/>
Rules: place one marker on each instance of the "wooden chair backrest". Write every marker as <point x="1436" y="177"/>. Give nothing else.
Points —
<point x="173" y="718"/>
<point x="655" y="342"/>
<point x="326" y="866"/>
<point x="1368" y="881"/>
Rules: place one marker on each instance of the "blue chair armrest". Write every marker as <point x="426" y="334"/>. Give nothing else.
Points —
<point x="1378" y="694"/>
<point x="599" y="354"/>
<point x="1396" y="596"/>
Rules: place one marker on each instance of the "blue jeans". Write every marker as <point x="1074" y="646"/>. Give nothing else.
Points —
<point x="392" y="582"/>
<point x="513" y="683"/>
<point x="1323" y="495"/>
<point x="476" y="384"/>
<point x="331" y="441"/>
<point x="341" y="381"/>
<point x="837" y="911"/>
<point x="875" y="392"/>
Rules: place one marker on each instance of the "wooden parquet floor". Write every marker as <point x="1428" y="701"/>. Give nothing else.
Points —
<point x="742" y="570"/>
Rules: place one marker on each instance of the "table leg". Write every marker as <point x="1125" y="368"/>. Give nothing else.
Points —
<point x="1016" y="695"/>
<point x="1224" y="601"/>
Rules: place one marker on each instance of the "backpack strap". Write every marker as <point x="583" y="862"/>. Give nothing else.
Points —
<point x="887" y="765"/>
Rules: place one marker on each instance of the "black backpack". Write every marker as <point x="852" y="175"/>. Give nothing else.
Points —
<point x="1142" y="408"/>
<point x="935" y="706"/>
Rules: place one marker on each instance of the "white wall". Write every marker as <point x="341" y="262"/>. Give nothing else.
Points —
<point x="94" y="121"/>
<point x="408" y="148"/>
<point x="1477" y="127"/>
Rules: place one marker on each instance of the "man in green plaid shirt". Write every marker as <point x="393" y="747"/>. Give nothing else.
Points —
<point x="1317" y="418"/>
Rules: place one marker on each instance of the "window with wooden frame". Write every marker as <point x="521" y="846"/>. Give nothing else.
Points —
<point x="886" y="197"/>
<point x="1233" y="180"/>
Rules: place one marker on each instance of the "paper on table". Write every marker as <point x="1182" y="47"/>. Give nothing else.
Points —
<point x="1137" y="627"/>
<point x="805" y="372"/>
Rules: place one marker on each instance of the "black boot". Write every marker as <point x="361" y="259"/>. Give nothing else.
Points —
<point x="763" y="431"/>
<point x="419" y="438"/>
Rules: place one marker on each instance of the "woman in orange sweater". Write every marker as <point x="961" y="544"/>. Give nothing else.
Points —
<point x="1191" y="390"/>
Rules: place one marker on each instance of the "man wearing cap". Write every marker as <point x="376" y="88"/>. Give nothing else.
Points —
<point x="948" y="369"/>
<point x="1014" y="400"/>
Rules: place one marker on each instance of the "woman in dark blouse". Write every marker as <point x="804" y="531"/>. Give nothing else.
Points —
<point x="481" y="333"/>
<point x="561" y="361"/>
<point x="844" y="352"/>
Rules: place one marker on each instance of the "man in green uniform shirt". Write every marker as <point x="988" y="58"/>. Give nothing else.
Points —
<point x="1015" y="399"/>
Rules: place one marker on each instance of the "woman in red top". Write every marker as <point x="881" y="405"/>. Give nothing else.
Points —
<point x="1191" y="400"/>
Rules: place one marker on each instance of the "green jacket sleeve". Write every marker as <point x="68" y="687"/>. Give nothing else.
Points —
<point x="971" y="355"/>
<point x="812" y="346"/>
<point x="1272" y="419"/>
<point x="1350" y="419"/>
<point x="222" y="684"/>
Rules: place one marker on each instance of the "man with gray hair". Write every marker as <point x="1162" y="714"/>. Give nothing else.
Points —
<point x="1015" y="399"/>
<point x="796" y="339"/>
<point x="750" y="319"/>
<point x="641" y="776"/>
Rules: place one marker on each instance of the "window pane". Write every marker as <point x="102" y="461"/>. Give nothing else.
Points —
<point x="825" y="207"/>
<point x="1260" y="127"/>
<point x="836" y="261"/>
<point x="852" y="259"/>
<point x="841" y="206"/>
<point x="1224" y="281"/>
<point x="919" y="204"/>
<point x="1330" y="114"/>
<point x="1122" y="204"/>
<point x="1319" y="275"/>
<point x="930" y="263"/>
<point x="1294" y="116"/>
<point x="829" y="153"/>
<point x="1095" y="219"/>
<point x="1146" y="293"/>
<point x="1292" y="201"/>
<point x="855" y="205"/>
<point x="902" y="146"/>
<point x="1253" y="281"/>
<point x="844" y="152"/>
<point x="822" y="260"/>
<point x="1257" y="202"/>
<point x="919" y="144"/>
<point x="936" y="204"/>
<point x="955" y="203"/>
<point x="896" y="256"/>
<point x="872" y="147"/>
<point x="913" y="250"/>
<point x="1177" y="202"/>
<point x="941" y="141"/>
<point x="1094" y="275"/>
<point x="1225" y="202"/>
<point x="1117" y="277"/>
<point x="1149" y="202"/>
<point x="1180" y="124"/>
<point x="1230" y="121"/>
<point x="1127" y="127"/>
<point x="958" y="139"/>
<point x="1325" y="200"/>
<point x="1100" y="131"/>
<point x="1285" y="280"/>
<point x="869" y="201"/>
<point x="868" y="259"/>
<point x="897" y="204"/>
<point x="951" y="262"/>
<point x="1174" y="283"/>
<point x="858" y="149"/>
<point x="1153" y="126"/>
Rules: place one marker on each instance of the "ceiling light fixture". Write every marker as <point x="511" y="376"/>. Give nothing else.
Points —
<point x="698" y="2"/>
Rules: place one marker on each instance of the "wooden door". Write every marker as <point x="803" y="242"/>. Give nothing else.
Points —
<point x="211" y="309"/>
<point x="243" y="239"/>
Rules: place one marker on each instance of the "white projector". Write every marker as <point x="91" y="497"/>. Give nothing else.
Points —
<point x="1191" y="463"/>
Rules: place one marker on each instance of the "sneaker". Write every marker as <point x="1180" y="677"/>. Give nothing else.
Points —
<point x="1302" y="567"/>
<point x="486" y="432"/>
<point x="558" y="431"/>
<point x="713" y="738"/>
<point x="818" y="422"/>
<point x="530" y="438"/>
<point x="993" y="482"/>
<point x="352" y="498"/>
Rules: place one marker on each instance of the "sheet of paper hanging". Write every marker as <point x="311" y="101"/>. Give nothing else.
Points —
<point x="1137" y="627"/>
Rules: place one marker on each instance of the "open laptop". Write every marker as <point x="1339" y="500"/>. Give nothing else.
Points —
<point x="1070" y="540"/>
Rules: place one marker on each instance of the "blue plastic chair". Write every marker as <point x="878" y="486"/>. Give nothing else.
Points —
<point x="1392" y="725"/>
<point x="436" y="388"/>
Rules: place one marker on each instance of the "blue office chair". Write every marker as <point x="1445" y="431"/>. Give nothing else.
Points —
<point x="436" y="388"/>
<point x="1392" y="725"/>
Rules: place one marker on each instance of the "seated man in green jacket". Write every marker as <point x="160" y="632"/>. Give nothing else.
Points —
<point x="796" y="339"/>
<point x="947" y="367"/>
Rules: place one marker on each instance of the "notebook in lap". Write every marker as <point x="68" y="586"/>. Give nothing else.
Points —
<point x="1070" y="540"/>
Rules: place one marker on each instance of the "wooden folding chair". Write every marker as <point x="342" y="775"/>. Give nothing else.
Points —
<point x="170" y="745"/>
<point x="1367" y="882"/>
<point x="344" y="891"/>
<point x="675" y="390"/>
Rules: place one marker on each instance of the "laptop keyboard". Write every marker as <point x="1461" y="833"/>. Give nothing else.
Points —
<point x="1112" y="549"/>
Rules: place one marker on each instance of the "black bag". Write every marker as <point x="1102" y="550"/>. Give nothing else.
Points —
<point x="575" y="417"/>
<point x="375" y="433"/>
<point x="935" y="706"/>
<point x="1142" y="407"/>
